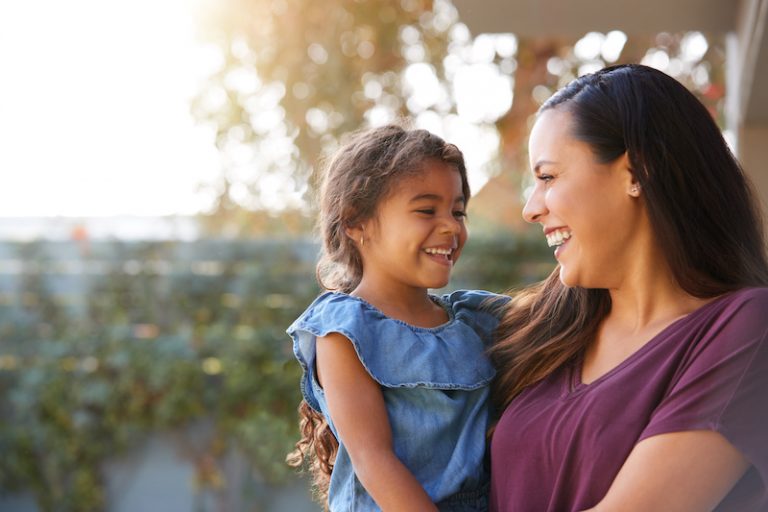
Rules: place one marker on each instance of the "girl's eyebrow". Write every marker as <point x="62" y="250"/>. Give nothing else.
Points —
<point x="434" y="197"/>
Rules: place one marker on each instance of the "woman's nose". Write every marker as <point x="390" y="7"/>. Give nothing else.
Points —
<point x="534" y="207"/>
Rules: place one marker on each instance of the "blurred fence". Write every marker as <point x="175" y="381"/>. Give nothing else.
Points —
<point x="107" y="346"/>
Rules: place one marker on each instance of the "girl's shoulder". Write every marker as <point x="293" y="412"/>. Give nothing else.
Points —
<point x="475" y="301"/>
<point x="482" y="310"/>
<point x="397" y="354"/>
<point x="334" y="311"/>
<point x="330" y="308"/>
<point x="351" y="316"/>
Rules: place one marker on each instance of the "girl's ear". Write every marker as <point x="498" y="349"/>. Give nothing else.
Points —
<point x="356" y="233"/>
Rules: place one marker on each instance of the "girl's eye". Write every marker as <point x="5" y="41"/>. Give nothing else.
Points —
<point x="427" y="211"/>
<point x="460" y="214"/>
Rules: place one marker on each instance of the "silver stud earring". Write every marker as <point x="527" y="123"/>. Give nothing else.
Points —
<point x="635" y="189"/>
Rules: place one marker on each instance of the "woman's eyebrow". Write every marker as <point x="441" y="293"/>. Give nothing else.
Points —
<point x="540" y="164"/>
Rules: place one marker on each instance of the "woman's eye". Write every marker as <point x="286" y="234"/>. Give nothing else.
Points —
<point x="546" y="178"/>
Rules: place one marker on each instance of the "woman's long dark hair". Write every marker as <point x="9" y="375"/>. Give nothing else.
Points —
<point x="362" y="173"/>
<point x="700" y="204"/>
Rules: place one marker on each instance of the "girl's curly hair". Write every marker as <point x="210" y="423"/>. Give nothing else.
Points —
<point x="362" y="173"/>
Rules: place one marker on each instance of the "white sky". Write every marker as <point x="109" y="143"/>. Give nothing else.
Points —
<point x="94" y="108"/>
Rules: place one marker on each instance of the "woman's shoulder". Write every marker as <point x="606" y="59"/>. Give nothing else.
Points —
<point x="736" y="321"/>
<point x="748" y="305"/>
<point x="756" y="294"/>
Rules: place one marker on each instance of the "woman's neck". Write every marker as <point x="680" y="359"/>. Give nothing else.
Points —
<point x="648" y="296"/>
<point x="647" y="301"/>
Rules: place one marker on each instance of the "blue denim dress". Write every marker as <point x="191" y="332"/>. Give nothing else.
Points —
<point x="435" y="386"/>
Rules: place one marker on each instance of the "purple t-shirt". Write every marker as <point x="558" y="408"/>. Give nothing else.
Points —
<point x="560" y="443"/>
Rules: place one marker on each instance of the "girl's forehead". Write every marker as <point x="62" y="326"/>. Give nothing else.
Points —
<point x="434" y="176"/>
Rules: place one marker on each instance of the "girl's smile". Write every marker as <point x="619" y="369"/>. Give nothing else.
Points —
<point x="418" y="231"/>
<point x="442" y="255"/>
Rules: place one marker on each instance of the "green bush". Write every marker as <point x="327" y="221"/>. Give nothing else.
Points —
<point x="105" y="343"/>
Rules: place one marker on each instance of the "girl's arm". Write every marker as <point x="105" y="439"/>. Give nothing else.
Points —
<point x="356" y="405"/>
<point x="676" y="472"/>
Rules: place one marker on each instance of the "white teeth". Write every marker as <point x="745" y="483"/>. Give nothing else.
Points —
<point x="558" y="237"/>
<point x="435" y="250"/>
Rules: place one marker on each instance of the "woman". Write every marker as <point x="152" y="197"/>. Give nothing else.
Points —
<point x="635" y="377"/>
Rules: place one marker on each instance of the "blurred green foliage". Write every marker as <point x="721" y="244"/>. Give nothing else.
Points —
<point x="103" y="344"/>
<point x="296" y="75"/>
<point x="101" y="348"/>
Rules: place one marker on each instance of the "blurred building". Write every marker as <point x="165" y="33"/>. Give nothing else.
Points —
<point x="83" y="229"/>
<point x="743" y="23"/>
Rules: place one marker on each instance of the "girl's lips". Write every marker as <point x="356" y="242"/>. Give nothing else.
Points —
<point x="442" y="254"/>
<point x="442" y="259"/>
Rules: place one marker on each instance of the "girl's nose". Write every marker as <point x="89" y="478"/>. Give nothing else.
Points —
<point x="534" y="207"/>
<point x="451" y="226"/>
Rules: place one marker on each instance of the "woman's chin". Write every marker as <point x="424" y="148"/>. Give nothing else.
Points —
<point x="567" y="278"/>
<point x="564" y="276"/>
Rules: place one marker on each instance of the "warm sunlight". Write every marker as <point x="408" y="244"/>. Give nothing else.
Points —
<point x="94" y="108"/>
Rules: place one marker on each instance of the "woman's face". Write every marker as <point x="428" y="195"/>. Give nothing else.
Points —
<point x="589" y="211"/>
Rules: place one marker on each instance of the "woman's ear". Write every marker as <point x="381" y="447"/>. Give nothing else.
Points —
<point x="632" y="185"/>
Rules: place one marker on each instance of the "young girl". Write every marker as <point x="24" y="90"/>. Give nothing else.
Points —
<point x="395" y="383"/>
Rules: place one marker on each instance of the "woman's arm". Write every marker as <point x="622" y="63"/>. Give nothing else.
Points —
<point x="677" y="472"/>
<point x="356" y="405"/>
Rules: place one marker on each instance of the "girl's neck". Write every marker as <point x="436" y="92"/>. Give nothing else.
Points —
<point x="407" y="304"/>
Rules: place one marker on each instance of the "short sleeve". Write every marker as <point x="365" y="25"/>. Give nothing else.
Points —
<point x="723" y="383"/>
<point x="395" y="354"/>
<point x="479" y="309"/>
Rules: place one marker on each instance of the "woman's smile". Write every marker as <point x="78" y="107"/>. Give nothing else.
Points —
<point x="576" y="193"/>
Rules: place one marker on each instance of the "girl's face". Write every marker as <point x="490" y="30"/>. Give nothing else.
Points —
<point x="589" y="211"/>
<point x="418" y="231"/>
